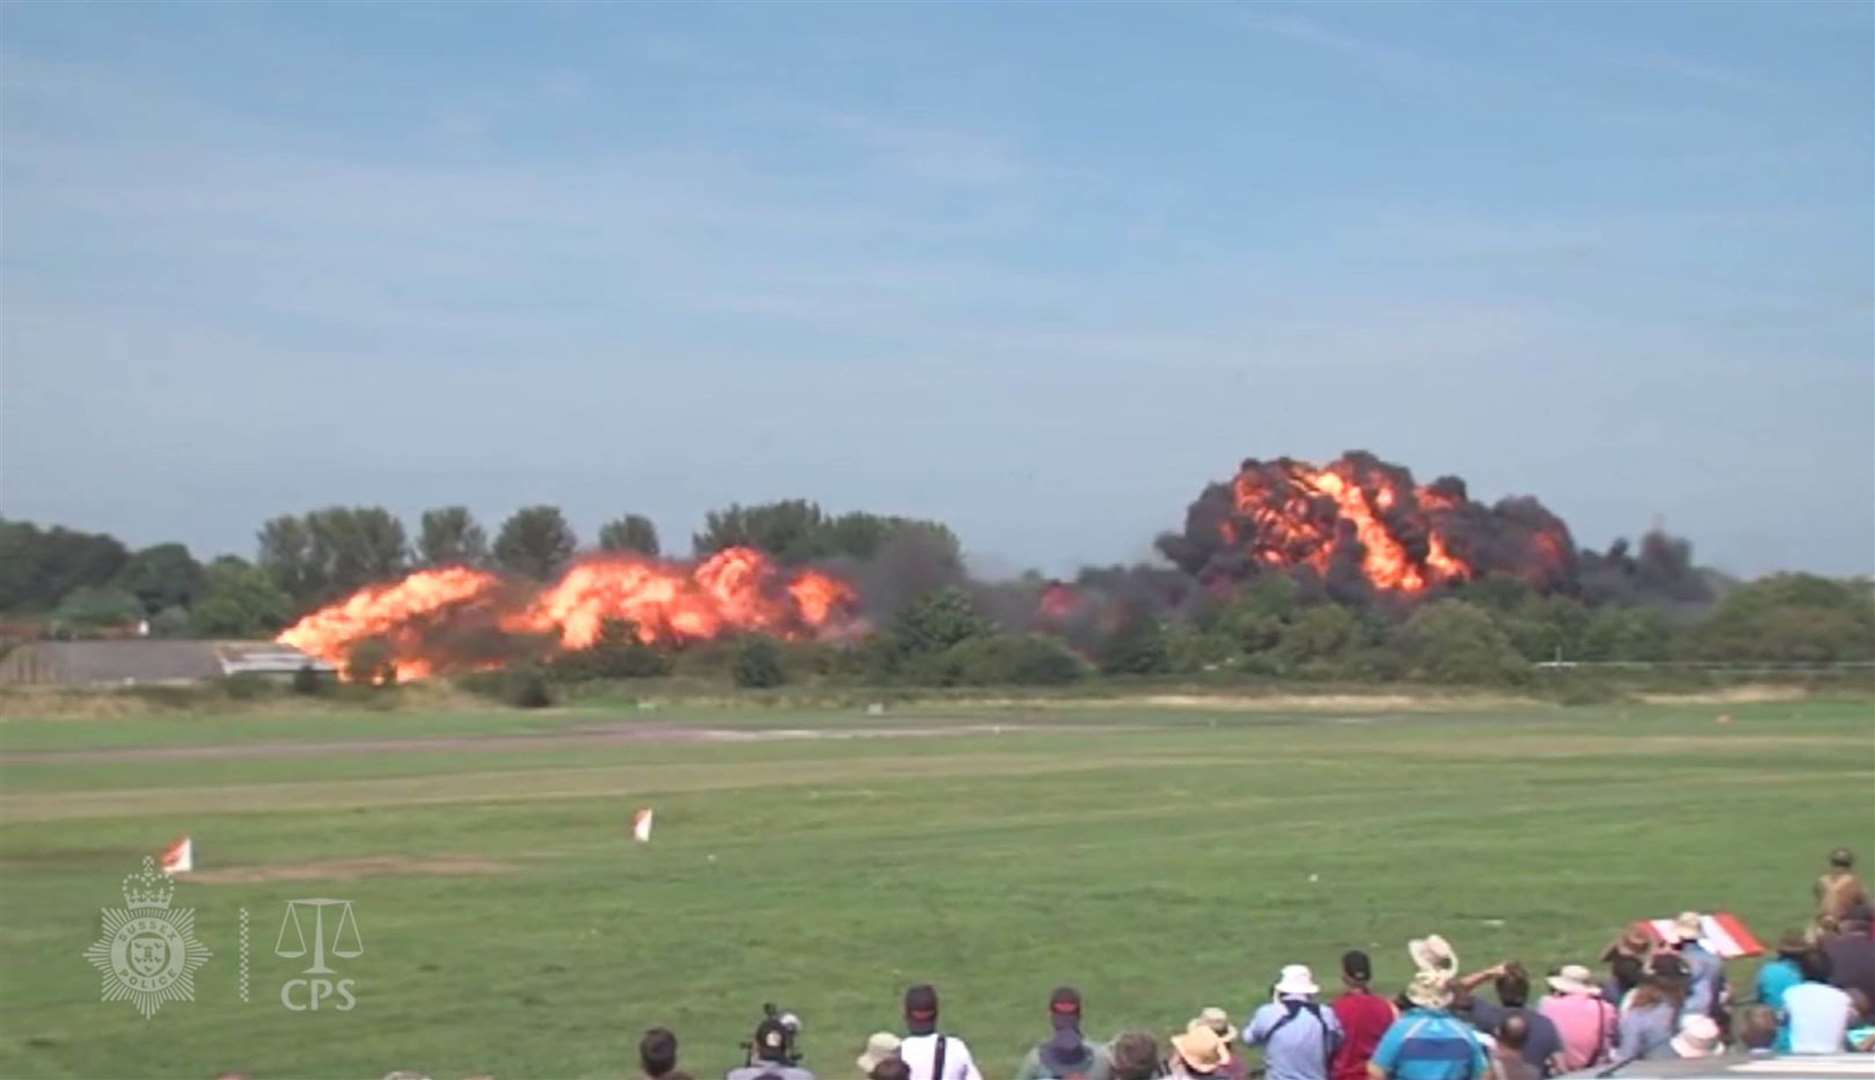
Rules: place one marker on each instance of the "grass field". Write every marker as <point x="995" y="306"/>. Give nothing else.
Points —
<point x="1161" y="859"/>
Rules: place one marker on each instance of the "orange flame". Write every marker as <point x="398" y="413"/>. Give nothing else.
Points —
<point x="384" y="611"/>
<point x="1292" y="527"/>
<point x="733" y="590"/>
<point x="737" y="590"/>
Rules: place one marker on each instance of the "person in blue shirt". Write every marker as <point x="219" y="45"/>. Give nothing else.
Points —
<point x="1779" y="976"/>
<point x="1706" y="987"/>
<point x="1428" y="1042"/>
<point x="1298" y="1036"/>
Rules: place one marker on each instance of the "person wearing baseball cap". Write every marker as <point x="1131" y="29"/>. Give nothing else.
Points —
<point x="929" y="1053"/>
<point x="1064" y="1055"/>
<point x="1298" y="1036"/>
<point x="1365" y="1016"/>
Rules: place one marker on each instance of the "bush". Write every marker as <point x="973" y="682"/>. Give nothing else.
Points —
<point x="246" y="687"/>
<point x="1453" y="642"/>
<point x="171" y="622"/>
<point x="617" y="654"/>
<point x="758" y="664"/>
<point x="1003" y="660"/>
<point x="92" y="606"/>
<point x="936" y="621"/>
<point x="1324" y="633"/>
<point x="1793" y="618"/>
<point x="1190" y="650"/>
<point x="1136" y="647"/>
<point x="526" y="688"/>
<point x="306" y="681"/>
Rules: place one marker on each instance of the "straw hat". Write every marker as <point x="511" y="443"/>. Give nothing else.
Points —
<point x="1698" y="1037"/>
<point x="1433" y="953"/>
<point x="1574" y="979"/>
<point x="1687" y="927"/>
<point x="879" y="1046"/>
<point x="1200" y="1048"/>
<point x="1430" y="990"/>
<point x="1219" y="1021"/>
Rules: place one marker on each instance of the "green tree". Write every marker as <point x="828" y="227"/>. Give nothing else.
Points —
<point x="450" y="535"/>
<point x="758" y="664"/>
<point x="1791" y="618"/>
<point x="631" y="533"/>
<point x="332" y="552"/>
<point x="1325" y="633"/>
<point x="240" y="601"/>
<point x="791" y="530"/>
<point x="1272" y="594"/>
<point x="1450" y="641"/>
<point x="286" y="555"/>
<point x="1137" y="646"/>
<point x="356" y="546"/>
<point x="937" y="620"/>
<point x="1496" y="592"/>
<point x="171" y="622"/>
<point x="95" y="606"/>
<point x="862" y="536"/>
<point x="39" y="567"/>
<point x="1004" y="660"/>
<point x="536" y="542"/>
<point x="1635" y="633"/>
<point x="163" y="576"/>
<point x="1190" y="649"/>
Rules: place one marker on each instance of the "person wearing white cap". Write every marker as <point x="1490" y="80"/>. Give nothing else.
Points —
<point x="1297" y="1035"/>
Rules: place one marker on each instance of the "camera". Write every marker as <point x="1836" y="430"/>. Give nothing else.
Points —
<point x="775" y="1040"/>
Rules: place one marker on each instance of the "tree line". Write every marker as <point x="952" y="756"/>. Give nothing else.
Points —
<point x="86" y="582"/>
<point x="944" y="631"/>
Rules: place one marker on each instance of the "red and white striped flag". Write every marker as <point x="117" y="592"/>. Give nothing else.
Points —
<point x="1723" y="934"/>
<point x="179" y="857"/>
<point x="641" y="825"/>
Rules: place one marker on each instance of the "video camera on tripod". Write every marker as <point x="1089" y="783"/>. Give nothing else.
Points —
<point x="776" y="1040"/>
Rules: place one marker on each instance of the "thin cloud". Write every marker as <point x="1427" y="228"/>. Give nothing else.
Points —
<point x="1379" y="57"/>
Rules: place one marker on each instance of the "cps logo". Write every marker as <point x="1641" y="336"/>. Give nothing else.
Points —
<point x="318" y="986"/>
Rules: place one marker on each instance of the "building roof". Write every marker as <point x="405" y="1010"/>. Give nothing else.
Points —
<point x="82" y="663"/>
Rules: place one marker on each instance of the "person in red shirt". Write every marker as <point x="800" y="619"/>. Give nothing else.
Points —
<point x="1364" y="1015"/>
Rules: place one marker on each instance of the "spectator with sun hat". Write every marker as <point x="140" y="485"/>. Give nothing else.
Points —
<point x="1428" y="1042"/>
<point x="1298" y="1036"/>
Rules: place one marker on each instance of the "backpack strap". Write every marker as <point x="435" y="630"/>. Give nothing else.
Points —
<point x="937" y="1058"/>
<point x="1296" y="1008"/>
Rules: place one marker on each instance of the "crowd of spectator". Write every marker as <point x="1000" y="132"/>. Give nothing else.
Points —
<point x="1664" y="995"/>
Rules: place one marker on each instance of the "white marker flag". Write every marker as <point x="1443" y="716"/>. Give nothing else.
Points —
<point x="641" y="825"/>
<point x="179" y="857"/>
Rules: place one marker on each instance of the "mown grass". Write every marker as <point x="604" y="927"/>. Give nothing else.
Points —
<point x="1162" y="860"/>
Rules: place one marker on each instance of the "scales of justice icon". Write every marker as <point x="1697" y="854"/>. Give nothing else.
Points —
<point x="346" y="943"/>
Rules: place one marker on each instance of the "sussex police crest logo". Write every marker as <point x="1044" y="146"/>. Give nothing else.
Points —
<point x="148" y="953"/>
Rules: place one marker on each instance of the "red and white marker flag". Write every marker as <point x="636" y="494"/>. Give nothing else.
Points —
<point x="179" y="857"/>
<point x="641" y="825"/>
<point x="1723" y="934"/>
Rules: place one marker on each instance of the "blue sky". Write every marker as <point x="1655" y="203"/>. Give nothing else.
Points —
<point x="1041" y="271"/>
